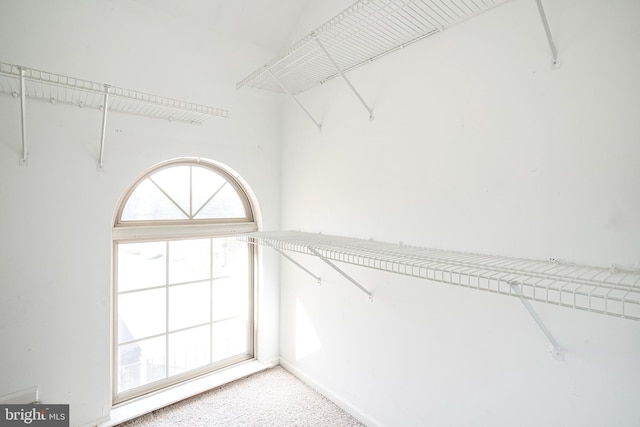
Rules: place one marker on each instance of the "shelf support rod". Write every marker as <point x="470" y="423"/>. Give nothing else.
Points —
<point x="104" y="128"/>
<point x="547" y="30"/>
<point x="318" y="124"/>
<point x="326" y="52"/>
<point x="345" y="275"/>
<point x="24" y="160"/>
<point x="557" y="350"/>
<point x="294" y="261"/>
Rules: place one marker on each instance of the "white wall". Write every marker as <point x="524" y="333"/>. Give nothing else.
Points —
<point x="477" y="145"/>
<point x="57" y="212"/>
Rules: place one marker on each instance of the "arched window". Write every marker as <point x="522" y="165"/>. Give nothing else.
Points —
<point x="183" y="284"/>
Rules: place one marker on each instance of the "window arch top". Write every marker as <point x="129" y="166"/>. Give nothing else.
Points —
<point x="185" y="191"/>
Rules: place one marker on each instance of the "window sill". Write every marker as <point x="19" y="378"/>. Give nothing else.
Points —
<point x="143" y="405"/>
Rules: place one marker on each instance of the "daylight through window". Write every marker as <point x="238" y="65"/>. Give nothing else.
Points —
<point x="183" y="298"/>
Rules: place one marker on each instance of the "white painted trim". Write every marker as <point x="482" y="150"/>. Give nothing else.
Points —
<point x="357" y="413"/>
<point x="159" y="232"/>
<point x="148" y="403"/>
<point x="26" y="396"/>
<point x="97" y="422"/>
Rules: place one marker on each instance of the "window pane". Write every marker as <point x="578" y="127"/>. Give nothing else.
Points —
<point x="175" y="181"/>
<point x="189" y="260"/>
<point x="148" y="203"/>
<point x="205" y="184"/>
<point x="189" y="349"/>
<point x="141" y="314"/>
<point x="230" y="258"/>
<point x="141" y="363"/>
<point x="226" y="204"/>
<point x="141" y="265"/>
<point x="229" y="338"/>
<point x="229" y="298"/>
<point x="230" y="290"/>
<point x="189" y="305"/>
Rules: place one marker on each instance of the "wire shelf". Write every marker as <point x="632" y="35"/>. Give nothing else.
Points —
<point x="367" y="30"/>
<point x="57" y="88"/>
<point x="599" y="290"/>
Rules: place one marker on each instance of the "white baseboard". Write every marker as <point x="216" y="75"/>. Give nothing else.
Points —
<point x="26" y="396"/>
<point x="358" y="414"/>
<point x="96" y="423"/>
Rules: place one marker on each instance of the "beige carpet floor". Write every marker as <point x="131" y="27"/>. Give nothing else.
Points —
<point x="269" y="398"/>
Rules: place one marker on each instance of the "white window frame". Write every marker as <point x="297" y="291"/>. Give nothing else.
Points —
<point x="161" y="230"/>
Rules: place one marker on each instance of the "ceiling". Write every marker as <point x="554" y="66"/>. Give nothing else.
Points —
<point x="267" y="23"/>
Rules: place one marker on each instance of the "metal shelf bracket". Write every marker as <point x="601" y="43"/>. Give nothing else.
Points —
<point x="555" y="63"/>
<point x="345" y="275"/>
<point x="24" y="160"/>
<point x="318" y="124"/>
<point x="363" y="32"/>
<point x="105" y="107"/>
<point x="557" y="351"/>
<point x="297" y="264"/>
<point x="353" y="89"/>
<point x="613" y="292"/>
<point x="23" y="82"/>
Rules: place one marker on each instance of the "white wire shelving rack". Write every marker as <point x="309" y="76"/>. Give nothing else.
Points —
<point x="609" y="291"/>
<point x="23" y="82"/>
<point x="364" y="32"/>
